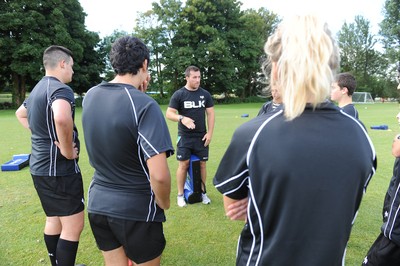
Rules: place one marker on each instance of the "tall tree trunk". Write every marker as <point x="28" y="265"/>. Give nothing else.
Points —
<point x="175" y="81"/>
<point x="18" y="94"/>
<point x="159" y="76"/>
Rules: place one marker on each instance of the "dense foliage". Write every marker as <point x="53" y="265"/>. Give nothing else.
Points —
<point x="372" y="59"/>
<point x="27" y="27"/>
<point x="218" y="36"/>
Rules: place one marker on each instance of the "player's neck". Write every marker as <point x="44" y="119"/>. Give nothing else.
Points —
<point x="56" y="75"/>
<point x="130" y="79"/>
<point x="190" y="88"/>
<point x="345" y="101"/>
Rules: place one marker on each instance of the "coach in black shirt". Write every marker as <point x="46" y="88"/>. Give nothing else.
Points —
<point x="189" y="106"/>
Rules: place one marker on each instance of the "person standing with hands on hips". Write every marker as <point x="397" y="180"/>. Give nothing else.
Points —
<point x="189" y="106"/>
<point x="128" y="142"/>
<point x="49" y="113"/>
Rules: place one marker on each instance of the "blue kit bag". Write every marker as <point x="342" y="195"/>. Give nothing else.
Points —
<point x="192" y="190"/>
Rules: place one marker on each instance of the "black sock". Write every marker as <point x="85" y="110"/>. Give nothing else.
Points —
<point x="51" y="244"/>
<point x="66" y="252"/>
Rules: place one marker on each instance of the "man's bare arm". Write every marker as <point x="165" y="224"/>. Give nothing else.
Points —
<point x="160" y="179"/>
<point x="64" y="128"/>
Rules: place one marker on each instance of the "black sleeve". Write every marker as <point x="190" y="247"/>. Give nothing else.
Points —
<point x="209" y="100"/>
<point x="154" y="137"/>
<point x="231" y="178"/>
<point x="264" y="108"/>
<point x="174" y="101"/>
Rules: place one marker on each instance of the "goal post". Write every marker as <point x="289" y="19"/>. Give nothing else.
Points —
<point x="362" y="97"/>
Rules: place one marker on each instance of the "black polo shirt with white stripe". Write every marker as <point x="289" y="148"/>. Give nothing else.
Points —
<point x="304" y="178"/>
<point x="46" y="158"/>
<point x="351" y="110"/>
<point x="123" y="128"/>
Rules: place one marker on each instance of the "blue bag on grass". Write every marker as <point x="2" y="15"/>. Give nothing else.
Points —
<point x="192" y="190"/>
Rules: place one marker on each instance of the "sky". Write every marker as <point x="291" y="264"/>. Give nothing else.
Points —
<point x="106" y="16"/>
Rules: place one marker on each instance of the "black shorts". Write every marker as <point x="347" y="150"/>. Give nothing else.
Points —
<point x="142" y="241"/>
<point x="383" y="253"/>
<point x="187" y="146"/>
<point x="60" y="195"/>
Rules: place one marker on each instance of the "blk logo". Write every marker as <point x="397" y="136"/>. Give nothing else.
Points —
<point x="193" y="104"/>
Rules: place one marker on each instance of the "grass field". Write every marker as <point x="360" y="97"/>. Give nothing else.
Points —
<point x="196" y="235"/>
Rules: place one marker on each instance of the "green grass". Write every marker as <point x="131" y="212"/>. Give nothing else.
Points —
<point x="196" y="235"/>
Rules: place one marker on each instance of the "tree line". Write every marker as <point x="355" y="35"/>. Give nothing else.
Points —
<point x="225" y="41"/>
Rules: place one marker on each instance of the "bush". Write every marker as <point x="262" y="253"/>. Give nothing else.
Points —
<point x="78" y="101"/>
<point x="160" y="100"/>
<point x="6" y="101"/>
<point x="6" y="105"/>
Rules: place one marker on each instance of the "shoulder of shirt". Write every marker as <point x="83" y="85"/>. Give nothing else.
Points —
<point x="180" y="90"/>
<point x="53" y="79"/>
<point x="58" y="83"/>
<point x="254" y="124"/>
<point x="267" y="103"/>
<point x="203" y="89"/>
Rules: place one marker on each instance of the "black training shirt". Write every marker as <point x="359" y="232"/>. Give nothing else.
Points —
<point x="304" y="178"/>
<point x="46" y="158"/>
<point x="123" y="128"/>
<point x="192" y="104"/>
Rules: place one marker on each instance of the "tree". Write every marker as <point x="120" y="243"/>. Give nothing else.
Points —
<point x="166" y="45"/>
<point x="27" y="27"/>
<point x="104" y="49"/>
<point x="156" y="28"/>
<point x="251" y="52"/>
<point x="224" y="42"/>
<point x="219" y="44"/>
<point x="390" y="32"/>
<point x="358" y="56"/>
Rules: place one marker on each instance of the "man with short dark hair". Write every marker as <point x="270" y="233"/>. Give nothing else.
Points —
<point x="49" y="113"/>
<point x="189" y="106"/>
<point x="342" y="92"/>
<point x="128" y="142"/>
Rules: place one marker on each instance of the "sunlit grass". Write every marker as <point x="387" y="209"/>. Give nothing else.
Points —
<point x="196" y="235"/>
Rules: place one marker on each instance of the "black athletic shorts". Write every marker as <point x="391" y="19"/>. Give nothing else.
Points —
<point x="60" y="195"/>
<point x="142" y="241"/>
<point x="383" y="253"/>
<point x="187" y="146"/>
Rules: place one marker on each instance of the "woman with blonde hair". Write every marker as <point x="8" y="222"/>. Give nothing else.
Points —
<point x="283" y="172"/>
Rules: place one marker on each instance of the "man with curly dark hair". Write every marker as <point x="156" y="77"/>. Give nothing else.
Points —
<point x="128" y="142"/>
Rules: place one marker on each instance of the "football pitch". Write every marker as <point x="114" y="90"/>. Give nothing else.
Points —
<point x="196" y="235"/>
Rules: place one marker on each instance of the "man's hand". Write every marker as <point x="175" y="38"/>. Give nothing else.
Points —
<point x="143" y="86"/>
<point x="69" y="155"/>
<point x="206" y="139"/>
<point x="238" y="209"/>
<point x="188" y="122"/>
